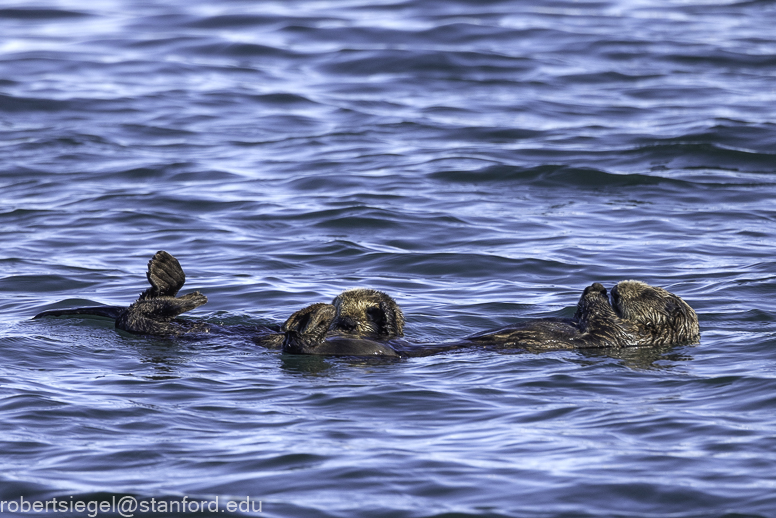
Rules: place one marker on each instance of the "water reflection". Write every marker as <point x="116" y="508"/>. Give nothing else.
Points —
<point x="300" y="364"/>
<point x="643" y="358"/>
<point x="165" y="356"/>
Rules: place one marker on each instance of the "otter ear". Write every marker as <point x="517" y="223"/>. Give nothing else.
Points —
<point x="393" y="322"/>
<point x="677" y="313"/>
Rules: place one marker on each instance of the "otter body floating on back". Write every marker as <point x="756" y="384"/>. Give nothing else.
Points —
<point x="642" y="315"/>
<point x="155" y="310"/>
<point x="595" y="324"/>
<point x="365" y="322"/>
<point x="357" y="314"/>
<point x="308" y="331"/>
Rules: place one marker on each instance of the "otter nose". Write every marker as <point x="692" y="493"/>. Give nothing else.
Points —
<point x="597" y="286"/>
<point x="346" y="323"/>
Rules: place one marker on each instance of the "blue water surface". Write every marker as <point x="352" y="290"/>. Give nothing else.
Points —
<point x="481" y="161"/>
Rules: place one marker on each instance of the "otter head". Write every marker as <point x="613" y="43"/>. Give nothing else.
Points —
<point x="661" y="314"/>
<point x="306" y="329"/>
<point x="367" y="312"/>
<point x="599" y="322"/>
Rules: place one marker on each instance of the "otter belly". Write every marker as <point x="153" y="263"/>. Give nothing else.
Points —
<point x="555" y="333"/>
<point x="346" y="346"/>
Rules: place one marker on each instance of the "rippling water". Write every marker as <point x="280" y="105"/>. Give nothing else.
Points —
<point x="482" y="161"/>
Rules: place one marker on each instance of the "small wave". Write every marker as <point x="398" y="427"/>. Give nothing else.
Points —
<point x="12" y="103"/>
<point x="40" y="283"/>
<point x="40" y="14"/>
<point x="426" y="63"/>
<point x="230" y="21"/>
<point x="687" y="152"/>
<point x="549" y="176"/>
<point x="240" y="50"/>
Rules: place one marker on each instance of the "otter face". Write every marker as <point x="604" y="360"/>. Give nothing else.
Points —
<point x="367" y="312"/>
<point x="306" y="329"/>
<point x="664" y="315"/>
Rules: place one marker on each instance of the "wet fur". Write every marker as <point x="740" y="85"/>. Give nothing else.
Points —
<point x="358" y="322"/>
<point x="642" y="315"/>
<point x="595" y="324"/>
<point x="368" y="313"/>
<point x="661" y="317"/>
<point x="156" y="309"/>
<point x="308" y="331"/>
<point x="367" y="322"/>
<point x="355" y="314"/>
<point x="639" y="315"/>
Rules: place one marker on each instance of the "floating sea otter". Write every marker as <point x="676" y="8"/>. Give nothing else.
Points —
<point x="308" y="331"/>
<point x="642" y="315"/>
<point x="358" y="313"/>
<point x="156" y="309"/>
<point x="364" y="322"/>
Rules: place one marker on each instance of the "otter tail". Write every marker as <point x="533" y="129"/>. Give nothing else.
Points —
<point x="95" y="311"/>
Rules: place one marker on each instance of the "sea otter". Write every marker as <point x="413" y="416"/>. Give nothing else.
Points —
<point x="639" y="315"/>
<point x="595" y="324"/>
<point x="643" y="315"/>
<point x="358" y="313"/>
<point x="308" y="331"/>
<point x="365" y="322"/>
<point x="154" y="312"/>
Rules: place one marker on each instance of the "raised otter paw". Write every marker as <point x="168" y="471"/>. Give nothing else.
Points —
<point x="307" y="328"/>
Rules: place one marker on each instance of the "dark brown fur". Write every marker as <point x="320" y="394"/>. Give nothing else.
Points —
<point x="366" y="322"/>
<point x="354" y="314"/>
<point x="308" y="332"/>
<point x="595" y="324"/>
<point x="642" y="316"/>
<point x="367" y="313"/>
<point x="155" y="310"/>
<point x="661" y="317"/>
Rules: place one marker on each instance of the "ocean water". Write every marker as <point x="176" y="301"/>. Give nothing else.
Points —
<point x="481" y="161"/>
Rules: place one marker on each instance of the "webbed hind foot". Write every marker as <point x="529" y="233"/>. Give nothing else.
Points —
<point x="165" y="276"/>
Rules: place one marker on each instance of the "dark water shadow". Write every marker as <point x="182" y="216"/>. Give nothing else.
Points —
<point x="642" y="358"/>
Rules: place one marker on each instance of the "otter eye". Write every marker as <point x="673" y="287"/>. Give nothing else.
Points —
<point x="374" y="314"/>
